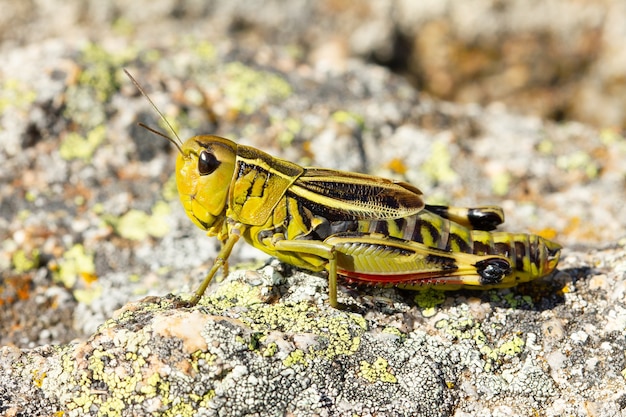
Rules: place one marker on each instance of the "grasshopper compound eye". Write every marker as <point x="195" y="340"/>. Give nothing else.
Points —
<point x="207" y="163"/>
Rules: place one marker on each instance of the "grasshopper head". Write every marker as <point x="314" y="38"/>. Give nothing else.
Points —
<point x="204" y="169"/>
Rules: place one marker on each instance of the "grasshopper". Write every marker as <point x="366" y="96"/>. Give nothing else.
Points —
<point x="366" y="229"/>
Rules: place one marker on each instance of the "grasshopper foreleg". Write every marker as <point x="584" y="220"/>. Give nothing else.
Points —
<point x="221" y="261"/>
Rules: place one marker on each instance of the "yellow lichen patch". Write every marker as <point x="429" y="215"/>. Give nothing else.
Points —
<point x="439" y="165"/>
<point x="75" y="146"/>
<point x="247" y="89"/>
<point x="500" y="183"/>
<point x="25" y="261"/>
<point x="377" y="371"/>
<point x="428" y="300"/>
<point x="465" y="328"/>
<point x="270" y="350"/>
<point x="236" y="293"/>
<point x="512" y="347"/>
<point x="285" y="130"/>
<point x="39" y="378"/>
<point x="297" y="357"/>
<point x="328" y="334"/>
<point x="134" y="379"/>
<point x="348" y="118"/>
<point x="139" y="225"/>
<point x="101" y="67"/>
<point x="205" y="50"/>
<point x="14" y="94"/>
<point x="170" y="191"/>
<point x="579" y="161"/>
<point x="394" y="331"/>
<point x="75" y="263"/>
<point x="200" y="355"/>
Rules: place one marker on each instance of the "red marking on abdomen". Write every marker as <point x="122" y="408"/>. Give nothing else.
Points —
<point x="422" y="278"/>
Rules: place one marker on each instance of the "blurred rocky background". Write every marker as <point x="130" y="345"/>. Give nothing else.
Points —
<point x="557" y="59"/>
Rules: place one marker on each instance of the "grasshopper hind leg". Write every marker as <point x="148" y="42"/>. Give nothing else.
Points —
<point x="485" y="218"/>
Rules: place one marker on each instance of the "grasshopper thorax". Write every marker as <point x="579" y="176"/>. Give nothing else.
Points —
<point x="204" y="170"/>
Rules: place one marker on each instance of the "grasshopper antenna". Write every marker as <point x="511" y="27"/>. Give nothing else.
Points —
<point x="178" y="143"/>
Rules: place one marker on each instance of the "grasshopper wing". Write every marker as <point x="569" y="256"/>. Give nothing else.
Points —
<point x="339" y="195"/>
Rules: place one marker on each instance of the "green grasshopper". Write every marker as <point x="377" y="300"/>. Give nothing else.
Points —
<point x="366" y="229"/>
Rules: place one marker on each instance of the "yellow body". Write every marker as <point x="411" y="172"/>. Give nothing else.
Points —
<point x="367" y="229"/>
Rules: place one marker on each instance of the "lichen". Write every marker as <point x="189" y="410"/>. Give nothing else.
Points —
<point x="428" y="300"/>
<point x="139" y="225"/>
<point x="75" y="146"/>
<point x="377" y="371"/>
<point x="24" y="261"/>
<point x="247" y="89"/>
<point x="76" y="263"/>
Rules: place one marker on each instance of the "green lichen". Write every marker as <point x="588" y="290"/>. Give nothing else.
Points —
<point x="203" y="50"/>
<point x="75" y="146"/>
<point x="500" y="183"/>
<point x="394" y="331"/>
<point x="336" y="333"/>
<point x="610" y="136"/>
<point x="515" y="301"/>
<point x="270" y="350"/>
<point x="247" y="89"/>
<point x="237" y="293"/>
<point x="297" y="357"/>
<point x="466" y="328"/>
<point x="348" y="118"/>
<point x="24" y="261"/>
<point x="132" y="383"/>
<point x="14" y="94"/>
<point x="23" y="215"/>
<point x="428" y="300"/>
<point x="377" y="371"/>
<point x="512" y="347"/>
<point x="87" y="296"/>
<point x="123" y="27"/>
<point x="76" y="263"/>
<point x="139" y="225"/>
<point x="170" y="190"/>
<point x="101" y="69"/>
<point x="97" y="82"/>
<point x="545" y="147"/>
<point x="579" y="161"/>
<point x="287" y="130"/>
<point x="439" y="166"/>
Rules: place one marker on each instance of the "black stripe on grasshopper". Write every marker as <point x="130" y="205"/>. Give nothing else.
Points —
<point x="479" y="218"/>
